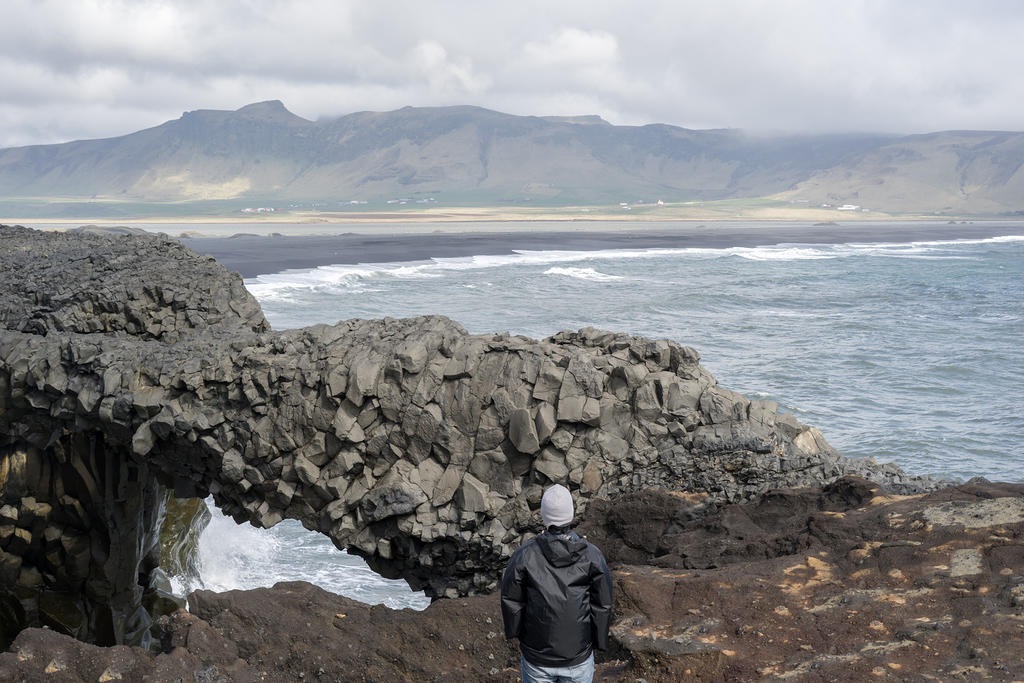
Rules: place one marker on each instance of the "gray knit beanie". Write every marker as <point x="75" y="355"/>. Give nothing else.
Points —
<point x="556" y="506"/>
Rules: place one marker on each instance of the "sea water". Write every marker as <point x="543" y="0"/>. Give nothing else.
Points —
<point x="906" y="352"/>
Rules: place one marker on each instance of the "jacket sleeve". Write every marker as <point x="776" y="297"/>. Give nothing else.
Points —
<point x="513" y="597"/>
<point x="600" y="599"/>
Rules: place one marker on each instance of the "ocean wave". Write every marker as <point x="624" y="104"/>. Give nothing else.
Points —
<point x="926" y="257"/>
<point x="921" y="247"/>
<point x="582" y="274"/>
<point x="347" y="277"/>
<point x="283" y="285"/>
<point x="988" y="240"/>
<point x="233" y="556"/>
<point x="782" y="253"/>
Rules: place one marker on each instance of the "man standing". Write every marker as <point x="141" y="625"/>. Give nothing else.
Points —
<point x="556" y="598"/>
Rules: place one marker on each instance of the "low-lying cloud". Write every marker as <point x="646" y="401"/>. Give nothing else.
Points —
<point x="95" y="68"/>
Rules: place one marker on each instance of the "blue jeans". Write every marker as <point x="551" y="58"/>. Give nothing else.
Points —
<point x="581" y="673"/>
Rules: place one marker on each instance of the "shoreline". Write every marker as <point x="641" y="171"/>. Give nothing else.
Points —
<point x="484" y="219"/>
<point x="254" y="254"/>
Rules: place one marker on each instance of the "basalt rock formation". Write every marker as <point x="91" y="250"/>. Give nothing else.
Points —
<point x="129" y="365"/>
<point x="834" y="583"/>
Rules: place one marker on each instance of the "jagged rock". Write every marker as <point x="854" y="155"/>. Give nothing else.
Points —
<point x="591" y="480"/>
<point x="545" y="422"/>
<point x="385" y="500"/>
<point x="232" y="466"/>
<point x="129" y="366"/>
<point x="123" y="295"/>
<point x="493" y="467"/>
<point x="552" y="465"/>
<point x="549" y="382"/>
<point x="472" y="495"/>
<point x="523" y="432"/>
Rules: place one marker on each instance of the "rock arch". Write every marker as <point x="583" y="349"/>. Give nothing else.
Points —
<point x="129" y="364"/>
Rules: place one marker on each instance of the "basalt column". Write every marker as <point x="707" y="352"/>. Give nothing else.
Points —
<point x="79" y="528"/>
<point x="79" y="513"/>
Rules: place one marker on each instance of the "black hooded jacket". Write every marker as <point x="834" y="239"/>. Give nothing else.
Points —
<point x="556" y="598"/>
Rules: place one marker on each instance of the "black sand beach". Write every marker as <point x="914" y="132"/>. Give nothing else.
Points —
<point x="253" y="255"/>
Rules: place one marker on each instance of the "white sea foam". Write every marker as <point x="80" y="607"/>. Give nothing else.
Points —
<point x="242" y="557"/>
<point x="987" y="240"/>
<point x="582" y="274"/>
<point x="782" y="253"/>
<point x="233" y="556"/>
<point x="925" y="246"/>
<point x="289" y="282"/>
<point x="930" y="257"/>
<point x="286" y="285"/>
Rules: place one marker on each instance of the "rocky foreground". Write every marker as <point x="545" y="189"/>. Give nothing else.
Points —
<point x="841" y="583"/>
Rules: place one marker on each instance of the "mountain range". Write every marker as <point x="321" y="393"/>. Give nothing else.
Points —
<point x="262" y="153"/>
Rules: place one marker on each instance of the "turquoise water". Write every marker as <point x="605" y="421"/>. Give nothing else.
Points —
<point x="909" y="352"/>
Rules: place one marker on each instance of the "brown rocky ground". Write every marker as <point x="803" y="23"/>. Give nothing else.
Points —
<point x="840" y="583"/>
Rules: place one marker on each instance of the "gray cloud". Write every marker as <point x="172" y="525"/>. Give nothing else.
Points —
<point x="93" y="68"/>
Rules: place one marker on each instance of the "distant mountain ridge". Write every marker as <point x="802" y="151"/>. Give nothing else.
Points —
<point x="463" y="153"/>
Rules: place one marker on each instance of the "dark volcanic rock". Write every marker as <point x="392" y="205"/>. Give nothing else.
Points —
<point x="296" y="628"/>
<point x="196" y="652"/>
<point x="878" y="587"/>
<point x="843" y="583"/>
<point x="93" y="282"/>
<point x="129" y="364"/>
<point x="690" y="531"/>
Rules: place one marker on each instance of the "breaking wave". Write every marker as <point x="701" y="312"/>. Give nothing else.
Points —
<point x="582" y="274"/>
<point x="362" y="277"/>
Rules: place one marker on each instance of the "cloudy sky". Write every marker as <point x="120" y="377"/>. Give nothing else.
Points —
<point x="76" y="69"/>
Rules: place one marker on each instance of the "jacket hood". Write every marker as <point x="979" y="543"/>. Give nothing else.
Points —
<point x="561" y="548"/>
